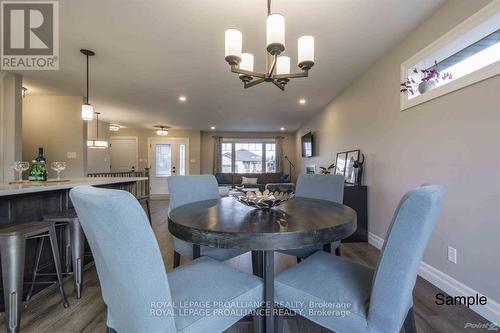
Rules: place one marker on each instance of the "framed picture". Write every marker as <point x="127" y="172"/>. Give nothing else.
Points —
<point x="340" y="163"/>
<point x="310" y="169"/>
<point x="352" y="156"/>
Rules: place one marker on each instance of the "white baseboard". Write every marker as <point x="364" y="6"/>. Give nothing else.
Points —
<point x="375" y="240"/>
<point x="451" y="286"/>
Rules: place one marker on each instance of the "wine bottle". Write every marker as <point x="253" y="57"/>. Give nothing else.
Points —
<point x="38" y="171"/>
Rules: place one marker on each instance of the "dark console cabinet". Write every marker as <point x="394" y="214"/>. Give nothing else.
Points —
<point x="356" y="197"/>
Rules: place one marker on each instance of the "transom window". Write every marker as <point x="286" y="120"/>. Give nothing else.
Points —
<point x="467" y="54"/>
<point x="248" y="155"/>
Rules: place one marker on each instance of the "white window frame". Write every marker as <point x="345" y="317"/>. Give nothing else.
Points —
<point x="482" y="74"/>
<point x="261" y="141"/>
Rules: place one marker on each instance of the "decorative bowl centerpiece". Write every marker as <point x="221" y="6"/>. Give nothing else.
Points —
<point x="263" y="200"/>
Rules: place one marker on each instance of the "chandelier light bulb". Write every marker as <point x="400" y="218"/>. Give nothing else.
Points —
<point x="283" y="65"/>
<point x="305" y="52"/>
<point x="233" y="46"/>
<point x="246" y="62"/>
<point x="275" y="33"/>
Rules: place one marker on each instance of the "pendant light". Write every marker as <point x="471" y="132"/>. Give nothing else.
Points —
<point x="114" y="127"/>
<point x="87" y="109"/>
<point x="97" y="144"/>
<point x="278" y="67"/>
<point x="161" y="130"/>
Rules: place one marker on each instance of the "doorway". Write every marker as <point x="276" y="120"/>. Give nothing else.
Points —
<point x="123" y="153"/>
<point x="167" y="157"/>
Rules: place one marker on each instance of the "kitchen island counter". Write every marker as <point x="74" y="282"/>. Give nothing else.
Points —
<point x="31" y="201"/>
<point x="53" y="185"/>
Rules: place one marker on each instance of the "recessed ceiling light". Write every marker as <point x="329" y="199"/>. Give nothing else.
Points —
<point x="282" y="129"/>
<point x="212" y="128"/>
<point x="182" y="98"/>
<point x="302" y="101"/>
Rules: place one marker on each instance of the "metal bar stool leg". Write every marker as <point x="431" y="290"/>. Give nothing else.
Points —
<point x="39" y="248"/>
<point x="13" y="250"/>
<point x="149" y="212"/>
<point x="77" y="250"/>
<point x="67" y="248"/>
<point x="57" y="263"/>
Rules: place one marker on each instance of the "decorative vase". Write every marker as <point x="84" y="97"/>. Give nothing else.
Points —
<point x="425" y="86"/>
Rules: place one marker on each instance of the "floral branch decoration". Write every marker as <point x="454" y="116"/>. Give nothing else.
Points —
<point x="408" y="86"/>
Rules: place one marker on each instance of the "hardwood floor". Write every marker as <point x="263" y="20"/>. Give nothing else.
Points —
<point x="45" y="313"/>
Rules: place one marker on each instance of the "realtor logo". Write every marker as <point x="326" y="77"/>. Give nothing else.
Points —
<point x="30" y="35"/>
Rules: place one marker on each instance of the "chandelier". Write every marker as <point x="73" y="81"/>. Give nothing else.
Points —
<point x="161" y="130"/>
<point x="278" y="67"/>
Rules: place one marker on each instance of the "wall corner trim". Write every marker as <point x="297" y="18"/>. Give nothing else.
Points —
<point x="453" y="287"/>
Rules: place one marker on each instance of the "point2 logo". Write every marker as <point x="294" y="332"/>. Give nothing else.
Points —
<point x="30" y="35"/>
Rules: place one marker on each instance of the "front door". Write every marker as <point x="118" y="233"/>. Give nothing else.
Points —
<point x="168" y="157"/>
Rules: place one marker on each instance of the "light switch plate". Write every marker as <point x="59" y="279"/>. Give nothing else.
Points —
<point x="452" y="254"/>
<point x="71" y="155"/>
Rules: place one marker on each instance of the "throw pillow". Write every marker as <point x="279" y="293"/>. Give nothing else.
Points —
<point x="220" y="178"/>
<point x="283" y="179"/>
<point x="247" y="180"/>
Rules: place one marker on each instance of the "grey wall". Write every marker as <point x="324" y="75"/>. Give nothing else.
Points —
<point x="451" y="140"/>
<point x="98" y="159"/>
<point x="10" y="124"/>
<point x="55" y="123"/>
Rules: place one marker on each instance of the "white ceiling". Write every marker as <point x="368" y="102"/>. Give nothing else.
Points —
<point x="149" y="52"/>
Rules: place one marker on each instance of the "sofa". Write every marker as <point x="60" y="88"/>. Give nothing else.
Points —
<point x="231" y="180"/>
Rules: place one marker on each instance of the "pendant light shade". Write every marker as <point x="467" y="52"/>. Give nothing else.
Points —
<point x="305" y="52"/>
<point x="96" y="143"/>
<point x="233" y="46"/>
<point x="87" y="112"/>
<point x="275" y="33"/>
<point x="87" y="109"/>
<point x="283" y="65"/>
<point x="246" y="62"/>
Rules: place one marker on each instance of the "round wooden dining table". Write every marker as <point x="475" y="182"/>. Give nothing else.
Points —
<point x="228" y="224"/>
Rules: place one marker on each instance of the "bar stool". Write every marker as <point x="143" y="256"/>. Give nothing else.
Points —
<point x="74" y="242"/>
<point x="12" y="250"/>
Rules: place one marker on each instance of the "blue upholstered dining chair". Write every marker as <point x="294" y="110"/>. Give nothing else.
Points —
<point x="139" y="295"/>
<point x="188" y="189"/>
<point x="324" y="187"/>
<point x="377" y="301"/>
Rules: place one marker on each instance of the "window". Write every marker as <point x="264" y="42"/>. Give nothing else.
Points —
<point x="227" y="157"/>
<point x="182" y="159"/>
<point x="248" y="158"/>
<point x="163" y="160"/>
<point x="270" y="157"/>
<point x="467" y="54"/>
<point x="248" y="155"/>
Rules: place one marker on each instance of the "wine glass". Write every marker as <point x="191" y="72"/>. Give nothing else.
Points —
<point x="58" y="167"/>
<point x="20" y="167"/>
